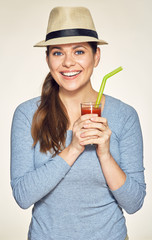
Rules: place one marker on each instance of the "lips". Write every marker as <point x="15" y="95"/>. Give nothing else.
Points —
<point x="71" y="73"/>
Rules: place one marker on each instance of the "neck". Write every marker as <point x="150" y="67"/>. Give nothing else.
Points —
<point x="76" y="97"/>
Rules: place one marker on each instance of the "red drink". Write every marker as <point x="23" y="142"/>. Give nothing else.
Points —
<point x="88" y="108"/>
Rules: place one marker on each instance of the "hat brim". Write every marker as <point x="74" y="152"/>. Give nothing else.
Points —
<point x="68" y="40"/>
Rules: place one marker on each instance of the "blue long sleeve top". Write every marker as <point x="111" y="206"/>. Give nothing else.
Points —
<point x="72" y="203"/>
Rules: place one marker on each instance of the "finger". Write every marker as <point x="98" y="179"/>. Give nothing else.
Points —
<point x="86" y="117"/>
<point x="95" y="125"/>
<point x="83" y="119"/>
<point x="91" y="133"/>
<point x="88" y="138"/>
<point x="100" y="119"/>
<point x="95" y="139"/>
<point x="89" y="141"/>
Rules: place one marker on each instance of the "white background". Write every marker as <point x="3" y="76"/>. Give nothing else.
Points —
<point x="126" y="25"/>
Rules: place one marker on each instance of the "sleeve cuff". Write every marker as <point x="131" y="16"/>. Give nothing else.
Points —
<point x="61" y="164"/>
<point x="122" y="190"/>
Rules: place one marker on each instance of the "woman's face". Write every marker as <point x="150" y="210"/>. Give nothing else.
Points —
<point x="71" y="65"/>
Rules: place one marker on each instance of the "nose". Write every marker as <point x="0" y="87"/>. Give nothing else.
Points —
<point x="68" y="61"/>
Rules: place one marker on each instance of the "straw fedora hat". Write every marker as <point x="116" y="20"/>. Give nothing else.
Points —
<point x="70" y="25"/>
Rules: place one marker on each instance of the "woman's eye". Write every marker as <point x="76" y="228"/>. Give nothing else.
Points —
<point x="57" y="53"/>
<point x="79" y="52"/>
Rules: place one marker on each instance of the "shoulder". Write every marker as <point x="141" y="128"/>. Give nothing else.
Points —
<point x="29" y="104"/>
<point x="118" y="108"/>
<point x="120" y="115"/>
<point x="27" y="109"/>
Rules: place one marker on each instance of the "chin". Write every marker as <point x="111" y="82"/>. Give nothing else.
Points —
<point x="71" y="88"/>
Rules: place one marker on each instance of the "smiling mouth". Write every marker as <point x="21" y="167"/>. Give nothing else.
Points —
<point x="70" y="74"/>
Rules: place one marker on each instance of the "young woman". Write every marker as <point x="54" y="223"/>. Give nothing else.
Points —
<point x="80" y="172"/>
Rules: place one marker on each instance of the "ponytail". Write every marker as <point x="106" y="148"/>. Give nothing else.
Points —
<point x="50" y="121"/>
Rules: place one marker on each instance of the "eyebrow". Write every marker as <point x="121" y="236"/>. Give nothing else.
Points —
<point x="55" y="48"/>
<point x="78" y="46"/>
<point x="60" y="48"/>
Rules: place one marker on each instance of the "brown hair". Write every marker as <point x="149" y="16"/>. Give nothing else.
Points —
<point x="50" y="121"/>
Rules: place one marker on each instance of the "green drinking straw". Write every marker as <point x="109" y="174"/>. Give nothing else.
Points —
<point x="104" y="82"/>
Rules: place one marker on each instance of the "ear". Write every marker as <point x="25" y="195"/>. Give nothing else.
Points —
<point x="97" y="57"/>
<point x="47" y="59"/>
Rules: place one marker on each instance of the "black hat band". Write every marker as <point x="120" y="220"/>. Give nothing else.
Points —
<point x="71" y="33"/>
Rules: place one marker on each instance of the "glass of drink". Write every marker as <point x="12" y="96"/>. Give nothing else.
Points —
<point x="90" y="107"/>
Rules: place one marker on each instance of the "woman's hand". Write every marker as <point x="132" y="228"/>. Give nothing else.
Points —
<point x="97" y="131"/>
<point x="79" y="131"/>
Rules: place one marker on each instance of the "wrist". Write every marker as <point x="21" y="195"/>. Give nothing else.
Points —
<point x="105" y="157"/>
<point x="70" y="154"/>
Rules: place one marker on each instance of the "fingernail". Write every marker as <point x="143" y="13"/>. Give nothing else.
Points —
<point x="93" y="118"/>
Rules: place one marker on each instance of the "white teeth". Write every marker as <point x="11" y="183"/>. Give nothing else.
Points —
<point x="70" y="74"/>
